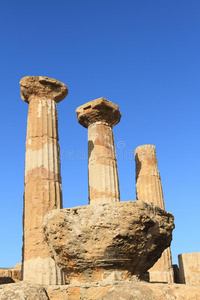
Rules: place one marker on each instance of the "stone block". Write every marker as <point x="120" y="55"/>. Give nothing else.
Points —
<point x="189" y="268"/>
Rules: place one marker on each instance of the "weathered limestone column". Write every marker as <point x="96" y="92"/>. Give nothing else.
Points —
<point x="42" y="175"/>
<point x="99" y="116"/>
<point x="189" y="268"/>
<point x="149" y="188"/>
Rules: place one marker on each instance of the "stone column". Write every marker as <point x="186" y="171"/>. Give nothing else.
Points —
<point x="149" y="188"/>
<point x="42" y="175"/>
<point x="99" y="116"/>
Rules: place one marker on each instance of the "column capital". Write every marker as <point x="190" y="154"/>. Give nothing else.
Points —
<point x="41" y="86"/>
<point x="99" y="110"/>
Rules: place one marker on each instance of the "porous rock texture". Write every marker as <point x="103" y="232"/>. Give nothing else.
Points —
<point x="90" y="242"/>
<point x="100" y="291"/>
<point x="22" y="291"/>
<point x="124" y="291"/>
<point x="42" y="86"/>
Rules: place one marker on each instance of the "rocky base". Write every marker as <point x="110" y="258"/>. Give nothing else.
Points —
<point x="100" y="291"/>
<point x="23" y="291"/>
<point x="124" y="291"/>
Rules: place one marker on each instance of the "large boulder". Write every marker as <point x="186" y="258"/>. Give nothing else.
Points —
<point x="115" y="240"/>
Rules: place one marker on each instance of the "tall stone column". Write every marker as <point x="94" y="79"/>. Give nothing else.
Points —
<point x="149" y="188"/>
<point x="42" y="175"/>
<point x="99" y="116"/>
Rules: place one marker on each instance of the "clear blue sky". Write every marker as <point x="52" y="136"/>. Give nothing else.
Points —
<point x="142" y="55"/>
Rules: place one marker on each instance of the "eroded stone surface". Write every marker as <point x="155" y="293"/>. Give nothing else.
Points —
<point x="149" y="188"/>
<point x="102" y="165"/>
<point x="148" y="182"/>
<point x="22" y="291"/>
<point x="99" y="110"/>
<point x="108" y="242"/>
<point x="42" y="86"/>
<point x="100" y="291"/>
<point x="124" y="291"/>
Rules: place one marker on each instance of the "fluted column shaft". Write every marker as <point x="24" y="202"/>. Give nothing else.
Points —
<point x="102" y="164"/>
<point x="42" y="180"/>
<point x="149" y="188"/>
<point x="42" y="173"/>
<point x="99" y="116"/>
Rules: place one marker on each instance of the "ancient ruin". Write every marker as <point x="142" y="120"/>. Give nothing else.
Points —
<point x="128" y="226"/>
<point x="106" y="249"/>
<point x="10" y="275"/>
<point x="42" y="175"/>
<point x="149" y="188"/>
<point x="99" y="116"/>
<point x="189" y="265"/>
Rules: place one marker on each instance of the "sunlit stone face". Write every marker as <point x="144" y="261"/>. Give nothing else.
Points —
<point x="42" y="175"/>
<point x="99" y="116"/>
<point x="41" y="86"/>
